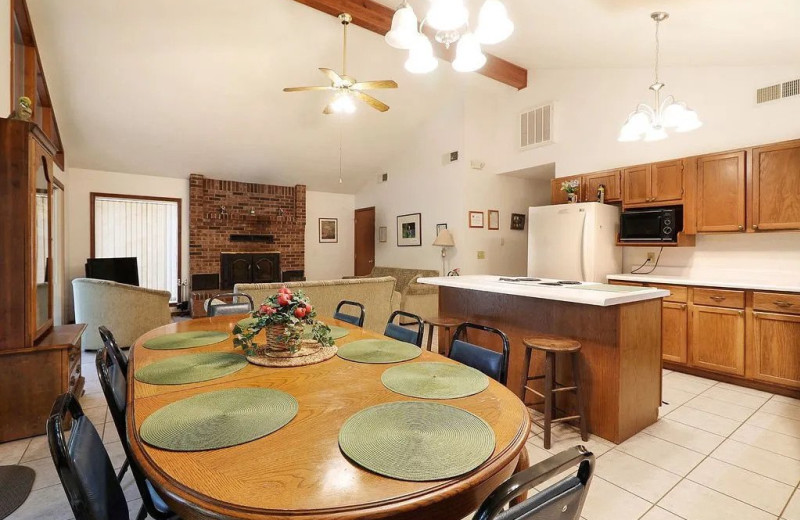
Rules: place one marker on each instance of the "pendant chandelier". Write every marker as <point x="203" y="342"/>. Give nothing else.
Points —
<point x="450" y="19"/>
<point x="651" y="123"/>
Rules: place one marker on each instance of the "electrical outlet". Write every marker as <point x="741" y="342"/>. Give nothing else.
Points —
<point x="651" y="257"/>
<point x="481" y="255"/>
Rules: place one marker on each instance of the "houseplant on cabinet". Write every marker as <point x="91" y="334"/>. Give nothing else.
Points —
<point x="571" y="189"/>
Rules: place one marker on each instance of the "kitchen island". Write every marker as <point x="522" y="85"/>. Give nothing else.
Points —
<point x="619" y="329"/>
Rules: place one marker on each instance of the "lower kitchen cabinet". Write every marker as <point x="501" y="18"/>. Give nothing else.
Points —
<point x="674" y="339"/>
<point x="716" y="339"/>
<point x="776" y="348"/>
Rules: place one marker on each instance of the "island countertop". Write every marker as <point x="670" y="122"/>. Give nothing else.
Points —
<point x="587" y="293"/>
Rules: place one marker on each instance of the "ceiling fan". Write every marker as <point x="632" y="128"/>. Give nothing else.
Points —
<point x="346" y="87"/>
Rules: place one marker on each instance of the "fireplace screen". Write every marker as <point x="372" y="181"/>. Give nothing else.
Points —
<point x="249" y="268"/>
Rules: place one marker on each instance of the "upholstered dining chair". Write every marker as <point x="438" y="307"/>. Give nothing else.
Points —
<point x="358" y="320"/>
<point x="561" y="501"/>
<point x="111" y="345"/>
<point x="401" y="333"/>
<point x="493" y="364"/>
<point x="236" y="307"/>
<point x="114" y="384"/>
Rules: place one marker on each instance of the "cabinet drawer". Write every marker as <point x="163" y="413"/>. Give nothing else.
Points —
<point x="678" y="293"/>
<point x="719" y="298"/>
<point x="776" y="302"/>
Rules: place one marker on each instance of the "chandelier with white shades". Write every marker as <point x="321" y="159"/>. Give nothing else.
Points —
<point x="651" y="123"/>
<point x="450" y="19"/>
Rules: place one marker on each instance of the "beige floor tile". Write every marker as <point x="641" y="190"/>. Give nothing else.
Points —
<point x="695" y="502"/>
<point x="731" y="396"/>
<point x="745" y="390"/>
<point x="12" y="451"/>
<point x="37" y="449"/>
<point x="110" y="433"/>
<point x="783" y="409"/>
<point x="792" y="511"/>
<point x="536" y="453"/>
<point x="45" y="473"/>
<point x="631" y="474"/>
<point x="784" y="399"/>
<point x="673" y="398"/>
<point x="565" y="437"/>
<point x="609" y="502"/>
<point x="92" y="401"/>
<point x="660" y="514"/>
<point x="129" y="487"/>
<point x="759" y="461"/>
<point x="723" y="409"/>
<point x="50" y="503"/>
<point x="665" y="455"/>
<point x="685" y="435"/>
<point x="704" y="421"/>
<point x="687" y="383"/>
<point x="134" y="506"/>
<point x="761" y="492"/>
<point x="775" y="423"/>
<point x="785" y="445"/>
<point x="116" y="453"/>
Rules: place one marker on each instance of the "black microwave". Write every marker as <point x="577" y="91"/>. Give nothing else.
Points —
<point x="651" y="224"/>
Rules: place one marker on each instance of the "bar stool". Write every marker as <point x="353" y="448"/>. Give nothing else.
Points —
<point x="448" y="324"/>
<point x="551" y="346"/>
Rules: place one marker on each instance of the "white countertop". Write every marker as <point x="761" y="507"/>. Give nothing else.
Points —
<point x="573" y="294"/>
<point x="758" y="282"/>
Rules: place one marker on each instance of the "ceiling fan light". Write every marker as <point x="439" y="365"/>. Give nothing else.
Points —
<point x="404" y="28"/>
<point x="343" y="103"/>
<point x="469" y="56"/>
<point x="447" y="15"/>
<point x="494" y="24"/>
<point x="655" y="133"/>
<point x="420" y="56"/>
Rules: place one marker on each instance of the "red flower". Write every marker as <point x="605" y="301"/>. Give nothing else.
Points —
<point x="265" y="309"/>
<point x="284" y="299"/>
<point x="300" y="312"/>
<point x="308" y="308"/>
<point x="270" y="311"/>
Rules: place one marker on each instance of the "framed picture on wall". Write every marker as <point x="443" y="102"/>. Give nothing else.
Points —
<point x="409" y="230"/>
<point x="440" y="228"/>
<point x="476" y="219"/>
<point x="382" y="231"/>
<point x="518" y="221"/>
<point x="494" y="219"/>
<point x="328" y="230"/>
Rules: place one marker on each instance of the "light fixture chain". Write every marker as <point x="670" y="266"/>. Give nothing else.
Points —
<point x="658" y="23"/>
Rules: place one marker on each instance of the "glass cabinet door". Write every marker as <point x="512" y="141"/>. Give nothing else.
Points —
<point x="43" y="218"/>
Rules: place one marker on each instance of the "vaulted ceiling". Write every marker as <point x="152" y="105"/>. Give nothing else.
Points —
<point x="170" y="88"/>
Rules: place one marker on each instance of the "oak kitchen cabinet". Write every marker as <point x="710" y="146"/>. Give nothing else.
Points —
<point x="720" y="192"/>
<point x="612" y="180"/>
<point x="776" y="186"/>
<point x="775" y="344"/>
<point x="716" y="339"/>
<point x="653" y="184"/>
<point x="560" y="197"/>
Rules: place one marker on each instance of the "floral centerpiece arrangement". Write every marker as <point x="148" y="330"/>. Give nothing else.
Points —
<point x="286" y="318"/>
<point x="571" y="189"/>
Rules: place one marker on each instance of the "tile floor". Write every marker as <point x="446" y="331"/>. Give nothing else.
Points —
<point x="718" y="452"/>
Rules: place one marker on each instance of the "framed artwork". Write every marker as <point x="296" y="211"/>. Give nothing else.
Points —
<point x="382" y="234"/>
<point x="476" y="219"/>
<point x="494" y="218"/>
<point x="409" y="230"/>
<point x="440" y="228"/>
<point x="328" y="230"/>
<point x="518" y="221"/>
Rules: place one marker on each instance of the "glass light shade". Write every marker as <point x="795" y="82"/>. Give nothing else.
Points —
<point x="689" y="121"/>
<point x="640" y="122"/>
<point x="343" y="104"/>
<point x="494" y="24"/>
<point x="447" y="15"/>
<point x="629" y="134"/>
<point x="420" y="56"/>
<point x="469" y="56"/>
<point x="673" y="115"/>
<point x="655" y="133"/>
<point x="404" y="28"/>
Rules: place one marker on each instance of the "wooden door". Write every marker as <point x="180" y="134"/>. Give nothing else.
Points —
<point x="776" y="186"/>
<point x="721" y="192"/>
<point x="666" y="182"/>
<point x="612" y="182"/>
<point x="557" y="196"/>
<point x="716" y="340"/>
<point x="364" y="249"/>
<point x="636" y="185"/>
<point x="674" y="334"/>
<point x="776" y="348"/>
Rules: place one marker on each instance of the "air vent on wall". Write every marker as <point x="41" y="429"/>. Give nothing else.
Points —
<point x="536" y="126"/>
<point x="778" y="91"/>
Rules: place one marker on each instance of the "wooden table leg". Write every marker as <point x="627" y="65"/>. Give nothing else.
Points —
<point x="522" y="464"/>
<point x="430" y="337"/>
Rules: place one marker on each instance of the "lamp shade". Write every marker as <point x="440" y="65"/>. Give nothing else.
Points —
<point x="404" y="28"/>
<point x="494" y="25"/>
<point x="469" y="56"/>
<point x="420" y="56"/>
<point x="444" y="239"/>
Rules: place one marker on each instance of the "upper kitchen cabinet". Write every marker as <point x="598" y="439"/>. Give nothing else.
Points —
<point x="776" y="186"/>
<point x="636" y="185"/>
<point x="611" y="180"/>
<point x="721" y="192"/>
<point x="657" y="184"/>
<point x="557" y="196"/>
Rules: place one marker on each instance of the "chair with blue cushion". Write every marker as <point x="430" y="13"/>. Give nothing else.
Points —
<point x="562" y="501"/>
<point x="493" y="364"/>
<point x="401" y="333"/>
<point x="235" y="307"/>
<point x="358" y="320"/>
<point x="114" y="384"/>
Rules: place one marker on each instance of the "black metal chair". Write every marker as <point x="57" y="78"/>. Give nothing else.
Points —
<point x="493" y="364"/>
<point x="561" y="501"/>
<point x="111" y="344"/>
<point x="358" y="321"/>
<point x="83" y="465"/>
<point x="235" y="307"/>
<point x="401" y="333"/>
<point x="114" y="384"/>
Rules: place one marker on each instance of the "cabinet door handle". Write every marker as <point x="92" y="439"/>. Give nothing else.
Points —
<point x="683" y="306"/>
<point x="783" y="304"/>
<point x="717" y="298"/>
<point x="741" y="313"/>
<point x="741" y="228"/>
<point x="755" y="226"/>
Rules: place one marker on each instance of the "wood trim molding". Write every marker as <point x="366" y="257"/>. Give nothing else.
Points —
<point x="377" y="18"/>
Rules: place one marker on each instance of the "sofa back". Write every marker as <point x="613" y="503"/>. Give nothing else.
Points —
<point x="403" y="275"/>
<point x="375" y="294"/>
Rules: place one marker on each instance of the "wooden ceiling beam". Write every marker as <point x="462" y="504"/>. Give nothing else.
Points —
<point x="377" y="18"/>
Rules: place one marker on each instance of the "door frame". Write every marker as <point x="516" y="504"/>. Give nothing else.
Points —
<point x="355" y="235"/>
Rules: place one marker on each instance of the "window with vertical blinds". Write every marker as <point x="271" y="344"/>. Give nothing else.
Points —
<point x="148" y="229"/>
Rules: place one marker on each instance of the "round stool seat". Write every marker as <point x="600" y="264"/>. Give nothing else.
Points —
<point x="442" y="321"/>
<point x="548" y="343"/>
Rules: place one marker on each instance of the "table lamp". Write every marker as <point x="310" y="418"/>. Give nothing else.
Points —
<point x="444" y="240"/>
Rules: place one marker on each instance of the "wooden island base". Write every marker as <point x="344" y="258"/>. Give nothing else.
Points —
<point x="620" y="354"/>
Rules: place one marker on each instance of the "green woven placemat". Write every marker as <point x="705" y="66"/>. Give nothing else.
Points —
<point x="179" y="340"/>
<point x="434" y="380"/>
<point x="417" y="441"/>
<point x="378" y="351"/>
<point x="218" y="419"/>
<point x="191" y="369"/>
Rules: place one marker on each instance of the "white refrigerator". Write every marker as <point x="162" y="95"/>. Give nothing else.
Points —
<point x="574" y="242"/>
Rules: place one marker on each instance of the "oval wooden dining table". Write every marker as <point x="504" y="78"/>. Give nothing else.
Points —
<point x="299" y="471"/>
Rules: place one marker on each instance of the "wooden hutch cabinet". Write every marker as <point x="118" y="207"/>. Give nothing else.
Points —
<point x="37" y="360"/>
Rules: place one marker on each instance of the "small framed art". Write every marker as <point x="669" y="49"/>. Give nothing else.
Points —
<point x="518" y="221"/>
<point x="382" y="231"/>
<point x="409" y="230"/>
<point x="440" y="228"/>
<point x="494" y="218"/>
<point x="328" y="230"/>
<point x="476" y="219"/>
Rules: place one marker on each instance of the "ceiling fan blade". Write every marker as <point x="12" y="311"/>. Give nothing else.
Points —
<point x="335" y="78"/>
<point x="303" y="89"/>
<point x="367" y="85"/>
<point x="371" y="101"/>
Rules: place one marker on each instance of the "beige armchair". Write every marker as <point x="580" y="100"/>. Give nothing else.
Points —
<point x="416" y="298"/>
<point x="128" y="311"/>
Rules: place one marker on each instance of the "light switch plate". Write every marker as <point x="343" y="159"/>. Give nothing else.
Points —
<point x="481" y="255"/>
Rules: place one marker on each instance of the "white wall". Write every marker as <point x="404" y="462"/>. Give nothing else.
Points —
<point x="5" y="58"/>
<point x="328" y="261"/>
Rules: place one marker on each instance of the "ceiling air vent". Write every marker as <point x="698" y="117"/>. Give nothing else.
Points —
<point x="778" y="91"/>
<point x="536" y="126"/>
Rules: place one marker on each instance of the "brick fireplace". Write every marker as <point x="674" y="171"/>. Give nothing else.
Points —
<point x="250" y="221"/>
